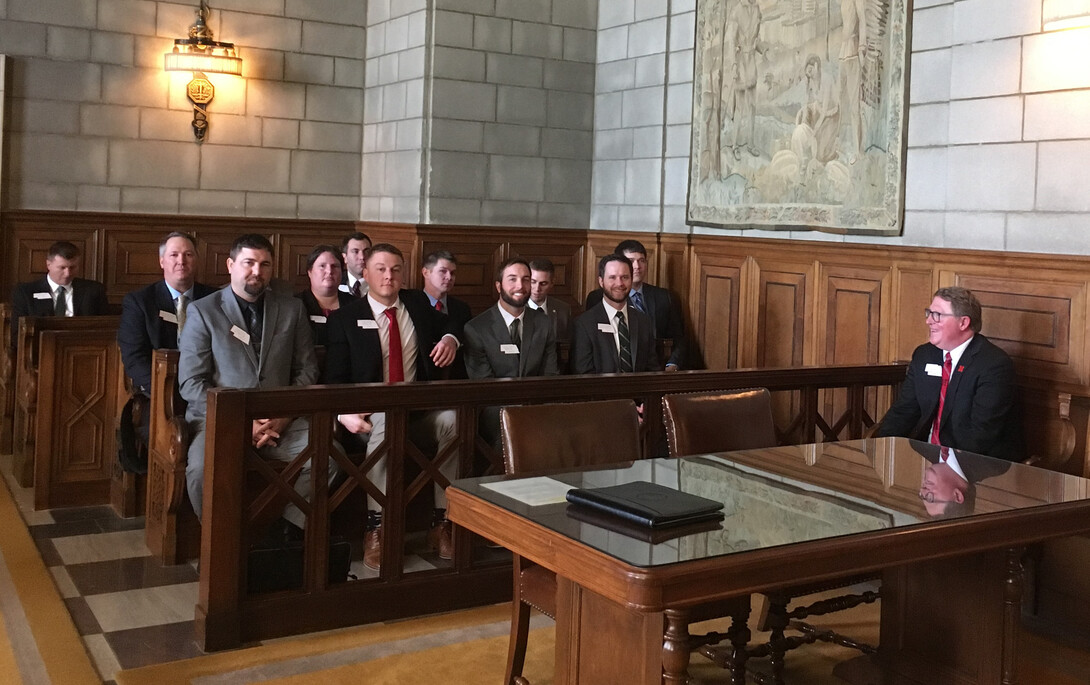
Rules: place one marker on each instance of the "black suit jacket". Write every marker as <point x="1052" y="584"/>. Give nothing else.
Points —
<point x="595" y="351"/>
<point x="485" y="333"/>
<point x="88" y="299"/>
<point x="142" y="329"/>
<point x="980" y="413"/>
<point x="318" y="328"/>
<point x="459" y="313"/>
<point x="354" y="353"/>
<point x="665" y="314"/>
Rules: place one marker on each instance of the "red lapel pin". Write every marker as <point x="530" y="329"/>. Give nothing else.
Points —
<point x="960" y="368"/>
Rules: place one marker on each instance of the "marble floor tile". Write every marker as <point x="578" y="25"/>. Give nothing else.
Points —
<point x="64" y="583"/>
<point x="83" y="549"/>
<point x="146" y="607"/>
<point x="37" y="518"/>
<point x="155" y="644"/>
<point x="131" y="573"/>
<point x="49" y="553"/>
<point x="82" y="616"/>
<point x="103" y="657"/>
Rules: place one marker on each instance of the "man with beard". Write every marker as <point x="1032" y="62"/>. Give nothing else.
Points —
<point x="613" y="337"/>
<point x="354" y="249"/>
<point x="509" y="340"/>
<point x="387" y="337"/>
<point x="248" y="336"/>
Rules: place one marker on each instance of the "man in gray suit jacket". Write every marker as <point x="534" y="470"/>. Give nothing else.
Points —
<point x="612" y="336"/>
<point x="509" y="340"/>
<point x="247" y="336"/>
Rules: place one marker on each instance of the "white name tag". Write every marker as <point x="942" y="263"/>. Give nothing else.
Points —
<point x="367" y="324"/>
<point x="169" y="317"/>
<point x="240" y="334"/>
<point x="933" y="369"/>
<point x="43" y="296"/>
<point x="318" y="319"/>
<point x="508" y="348"/>
<point x="605" y="328"/>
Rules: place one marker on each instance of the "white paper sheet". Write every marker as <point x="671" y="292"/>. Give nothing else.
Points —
<point x="533" y="492"/>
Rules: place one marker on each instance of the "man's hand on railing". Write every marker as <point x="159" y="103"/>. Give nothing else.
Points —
<point x="356" y="423"/>
<point x="268" y="431"/>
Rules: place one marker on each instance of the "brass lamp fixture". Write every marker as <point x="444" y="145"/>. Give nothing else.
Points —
<point x="200" y="54"/>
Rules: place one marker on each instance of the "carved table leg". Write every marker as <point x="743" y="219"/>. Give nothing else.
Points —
<point x="675" y="647"/>
<point x="1012" y="612"/>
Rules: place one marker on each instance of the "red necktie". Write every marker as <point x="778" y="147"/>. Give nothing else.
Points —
<point x="397" y="366"/>
<point x="438" y="305"/>
<point x="947" y="366"/>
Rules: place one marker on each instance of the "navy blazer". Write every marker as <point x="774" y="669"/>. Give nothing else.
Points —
<point x="485" y="333"/>
<point x="354" y="353"/>
<point x="595" y="351"/>
<point x="314" y="309"/>
<point x="980" y="413"/>
<point x="88" y="299"/>
<point x="143" y="329"/>
<point x="665" y="314"/>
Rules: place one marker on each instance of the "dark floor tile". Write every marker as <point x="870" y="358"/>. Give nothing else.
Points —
<point x="66" y="529"/>
<point x="82" y="513"/>
<point x="82" y="616"/>
<point x="49" y="553"/>
<point x="116" y="575"/>
<point x="154" y="644"/>
<point x="116" y="523"/>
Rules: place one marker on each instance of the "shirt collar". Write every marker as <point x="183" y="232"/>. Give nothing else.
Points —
<point x="54" y="285"/>
<point x="377" y="308"/>
<point x="611" y="311"/>
<point x="175" y="293"/>
<point x="955" y="354"/>
<point x="507" y="318"/>
<point x="534" y="305"/>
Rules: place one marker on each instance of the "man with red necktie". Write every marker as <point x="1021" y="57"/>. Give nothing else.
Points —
<point x="960" y="388"/>
<point x="387" y="337"/>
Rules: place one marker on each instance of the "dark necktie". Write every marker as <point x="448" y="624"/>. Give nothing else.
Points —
<point x="253" y="325"/>
<point x="356" y="289"/>
<point x="397" y="365"/>
<point x="626" y="343"/>
<point x="947" y="367"/>
<point x="60" y="308"/>
<point x="637" y="301"/>
<point x="515" y="329"/>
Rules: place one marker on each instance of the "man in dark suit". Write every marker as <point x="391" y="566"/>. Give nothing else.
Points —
<point x="354" y="250"/>
<point x="59" y="293"/>
<point x="654" y="301"/>
<point x="542" y="273"/>
<point x="248" y="336"/>
<point x="613" y="336"/>
<point x="150" y="319"/>
<point x="948" y="484"/>
<point x="363" y="348"/>
<point x="439" y="270"/>
<point x="959" y="390"/>
<point x="509" y="340"/>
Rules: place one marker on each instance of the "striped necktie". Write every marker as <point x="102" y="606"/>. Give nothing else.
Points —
<point x="626" y="343"/>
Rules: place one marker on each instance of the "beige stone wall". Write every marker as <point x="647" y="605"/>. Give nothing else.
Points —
<point x="96" y="124"/>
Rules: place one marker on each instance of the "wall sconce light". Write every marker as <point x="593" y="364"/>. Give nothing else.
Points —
<point x="1065" y="14"/>
<point x="199" y="54"/>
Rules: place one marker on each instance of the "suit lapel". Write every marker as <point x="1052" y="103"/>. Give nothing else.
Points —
<point x="44" y="306"/>
<point x="605" y="316"/>
<point x="634" y="335"/>
<point x="234" y="317"/>
<point x="269" y="326"/>
<point x="164" y="303"/>
<point x="957" y="373"/>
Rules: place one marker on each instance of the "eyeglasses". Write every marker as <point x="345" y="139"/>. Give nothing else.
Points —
<point x="929" y="497"/>
<point x="930" y="315"/>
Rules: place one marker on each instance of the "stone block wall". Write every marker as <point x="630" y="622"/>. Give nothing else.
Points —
<point x="96" y="124"/>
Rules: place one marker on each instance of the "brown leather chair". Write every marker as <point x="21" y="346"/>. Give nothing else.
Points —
<point x="557" y="437"/>
<point x="699" y="423"/>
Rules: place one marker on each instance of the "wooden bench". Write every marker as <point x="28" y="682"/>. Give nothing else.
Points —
<point x="28" y="384"/>
<point x="228" y="614"/>
<point x="7" y="381"/>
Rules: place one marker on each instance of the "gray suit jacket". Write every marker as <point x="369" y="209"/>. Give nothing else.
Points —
<point x="211" y="356"/>
<point x="486" y="332"/>
<point x="560" y="312"/>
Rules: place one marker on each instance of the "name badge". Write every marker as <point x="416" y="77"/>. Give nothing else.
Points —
<point x="508" y="348"/>
<point x="933" y="369"/>
<point x="43" y="296"/>
<point x="367" y="324"/>
<point x="605" y="328"/>
<point x="240" y="334"/>
<point x="169" y="317"/>
<point x="318" y="319"/>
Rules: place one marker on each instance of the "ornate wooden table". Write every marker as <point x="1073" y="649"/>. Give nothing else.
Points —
<point x="952" y="573"/>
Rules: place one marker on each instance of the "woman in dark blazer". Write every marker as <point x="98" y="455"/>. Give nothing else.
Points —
<point x="324" y="268"/>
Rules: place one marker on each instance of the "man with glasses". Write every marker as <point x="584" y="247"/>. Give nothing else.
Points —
<point x="959" y="390"/>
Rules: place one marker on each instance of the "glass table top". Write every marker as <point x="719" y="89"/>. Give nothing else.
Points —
<point x="788" y="495"/>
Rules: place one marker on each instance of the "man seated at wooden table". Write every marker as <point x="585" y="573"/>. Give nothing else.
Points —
<point x="152" y="316"/>
<point x="386" y="337"/>
<point x="60" y="292"/>
<point x="959" y="390"/>
<point x="509" y="340"/>
<point x="248" y="336"/>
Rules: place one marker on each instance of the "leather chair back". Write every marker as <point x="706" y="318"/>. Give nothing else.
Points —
<point x="557" y="437"/>
<point x="703" y="422"/>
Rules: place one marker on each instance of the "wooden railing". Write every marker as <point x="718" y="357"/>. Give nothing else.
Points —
<point x="242" y="491"/>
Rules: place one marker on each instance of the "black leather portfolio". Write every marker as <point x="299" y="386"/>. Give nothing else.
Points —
<point x="656" y="536"/>
<point x="647" y="504"/>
